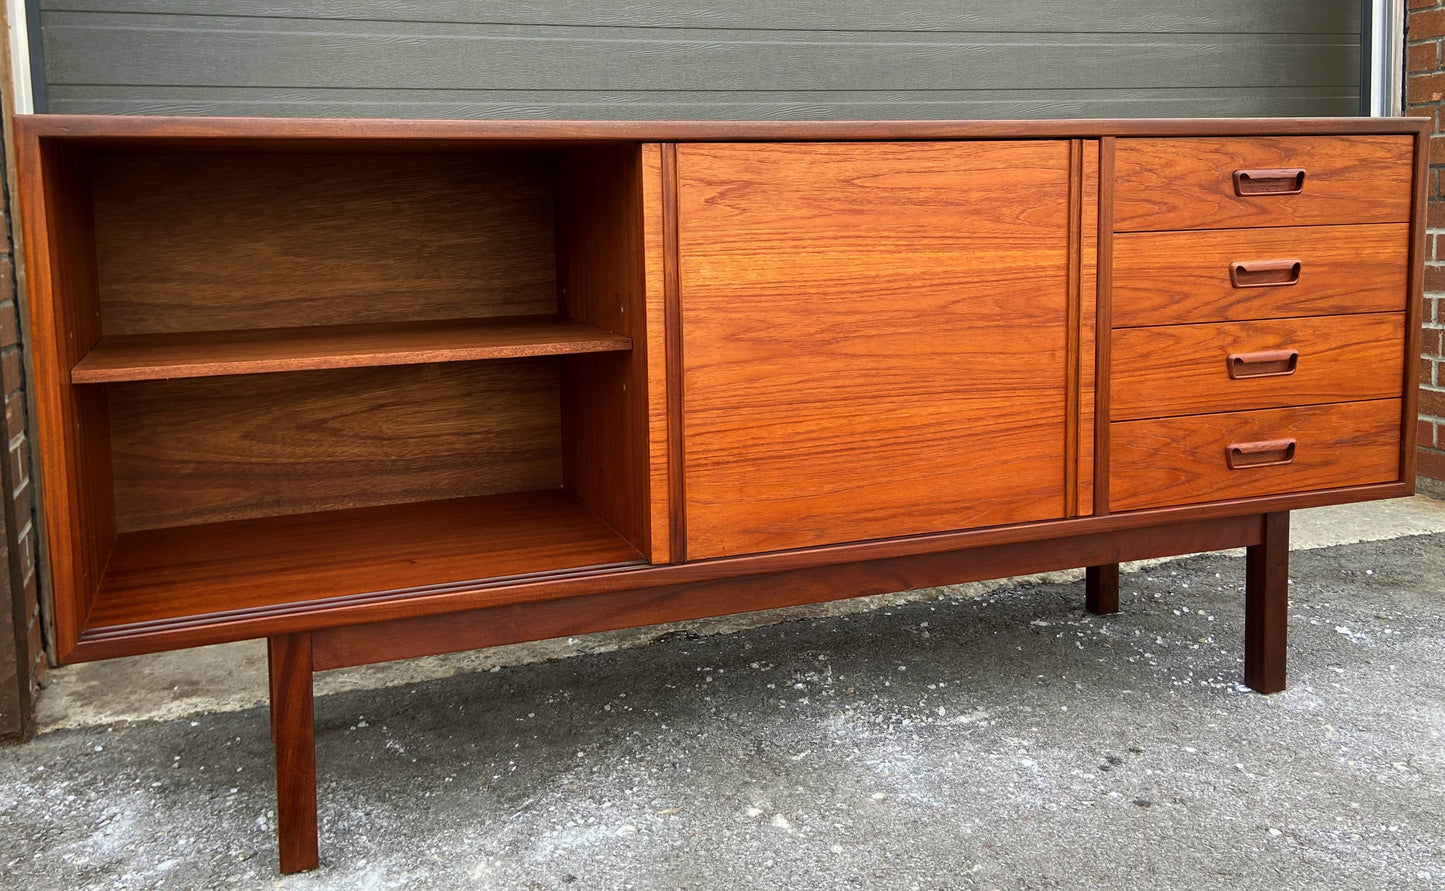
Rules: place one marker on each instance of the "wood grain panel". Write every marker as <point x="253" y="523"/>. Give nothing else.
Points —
<point x="71" y="427"/>
<point x="411" y="636"/>
<point x="1184" y="369"/>
<point x="1175" y="461"/>
<point x="215" y="240"/>
<point x="604" y="396"/>
<point x="140" y="357"/>
<point x="1171" y="278"/>
<point x="228" y="448"/>
<point x="655" y="262"/>
<point x="216" y="568"/>
<point x="1189" y="183"/>
<point x="874" y="341"/>
<point x="1088" y="325"/>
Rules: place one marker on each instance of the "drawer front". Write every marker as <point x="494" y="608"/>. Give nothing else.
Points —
<point x="1170" y="278"/>
<point x="1175" y="461"/>
<point x="1189" y="369"/>
<point x="1209" y="183"/>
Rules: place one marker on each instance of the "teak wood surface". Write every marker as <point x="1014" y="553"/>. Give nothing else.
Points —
<point x="1172" y="278"/>
<point x="851" y="368"/>
<point x="1186" y="369"/>
<point x="1189" y="183"/>
<point x="644" y="372"/>
<point x="140" y="357"/>
<point x="1184" y="460"/>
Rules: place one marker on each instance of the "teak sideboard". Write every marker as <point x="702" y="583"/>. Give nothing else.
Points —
<point x="381" y="389"/>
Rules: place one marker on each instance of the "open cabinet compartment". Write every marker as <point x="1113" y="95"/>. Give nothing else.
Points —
<point x="288" y="374"/>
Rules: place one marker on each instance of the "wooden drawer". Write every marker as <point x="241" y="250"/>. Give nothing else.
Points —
<point x="1173" y="461"/>
<point x="1189" y="369"/>
<point x="1170" y="278"/>
<point x="1208" y="183"/>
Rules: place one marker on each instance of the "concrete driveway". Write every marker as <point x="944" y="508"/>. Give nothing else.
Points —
<point x="986" y="736"/>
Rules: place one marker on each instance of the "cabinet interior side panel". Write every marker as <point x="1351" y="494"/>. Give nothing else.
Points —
<point x="73" y="431"/>
<point x="228" y="448"/>
<point x="217" y="241"/>
<point x="874" y="339"/>
<point x="601" y="282"/>
<point x="654" y="262"/>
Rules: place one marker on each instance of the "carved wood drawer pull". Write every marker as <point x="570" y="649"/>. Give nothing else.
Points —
<point x="1268" y="453"/>
<point x="1264" y="273"/>
<point x="1269" y="181"/>
<point x="1265" y="363"/>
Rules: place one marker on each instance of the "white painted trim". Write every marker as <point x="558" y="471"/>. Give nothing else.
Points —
<point x="19" y="36"/>
<point x="1387" y="57"/>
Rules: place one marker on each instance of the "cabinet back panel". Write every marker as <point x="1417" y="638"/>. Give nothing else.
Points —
<point x="216" y="241"/>
<point x="228" y="448"/>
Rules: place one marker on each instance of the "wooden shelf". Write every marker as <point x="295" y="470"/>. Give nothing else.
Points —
<point x="195" y="571"/>
<point x="142" y="357"/>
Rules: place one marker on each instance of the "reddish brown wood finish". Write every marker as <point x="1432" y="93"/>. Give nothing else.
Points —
<point x="672" y="328"/>
<point x="143" y="357"/>
<point x="851" y="367"/>
<point x="631" y="607"/>
<point x="655" y="263"/>
<point x="1172" y="278"/>
<point x="362" y="135"/>
<point x="245" y="565"/>
<point x="1184" y="460"/>
<point x="264" y="445"/>
<point x="1189" y="183"/>
<point x="293" y="730"/>
<point x="1104" y="310"/>
<point x="1266" y="606"/>
<point x="1101" y="589"/>
<point x="1186" y="369"/>
<point x="72" y="429"/>
<point x="1088" y="318"/>
<point x="606" y="452"/>
<point x="289" y="614"/>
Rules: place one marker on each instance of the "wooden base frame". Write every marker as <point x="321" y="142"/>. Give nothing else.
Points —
<point x="293" y="658"/>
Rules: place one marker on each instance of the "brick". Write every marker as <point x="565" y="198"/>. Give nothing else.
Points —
<point x="1424" y="89"/>
<point x="7" y="278"/>
<point x="20" y="463"/>
<point x="1430" y="464"/>
<point x="1435" y="216"/>
<point x="1425" y="433"/>
<point x="1427" y="24"/>
<point x="10" y="368"/>
<point x="9" y="325"/>
<point x="1431" y="344"/>
<point x="1424" y="4"/>
<point x="1425" y="57"/>
<point x="1432" y="402"/>
<point x="14" y="416"/>
<point x="1435" y="278"/>
<point x="1427" y="372"/>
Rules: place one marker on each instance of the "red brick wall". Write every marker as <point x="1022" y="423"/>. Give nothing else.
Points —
<point x="1425" y="97"/>
<point x="22" y="656"/>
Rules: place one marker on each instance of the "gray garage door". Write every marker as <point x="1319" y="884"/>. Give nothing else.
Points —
<point x="775" y="59"/>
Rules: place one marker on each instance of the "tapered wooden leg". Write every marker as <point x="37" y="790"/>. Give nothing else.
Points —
<point x="293" y="729"/>
<point x="1266" y="606"/>
<point x="1101" y="589"/>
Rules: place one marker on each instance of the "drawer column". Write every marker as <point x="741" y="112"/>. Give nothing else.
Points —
<point x="1266" y="599"/>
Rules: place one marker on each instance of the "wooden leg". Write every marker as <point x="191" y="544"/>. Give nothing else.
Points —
<point x="1101" y="589"/>
<point x="1266" y="606"/>
<point x="293" y="729"/>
